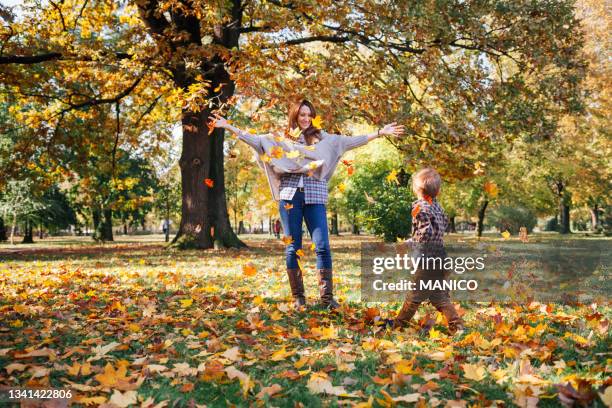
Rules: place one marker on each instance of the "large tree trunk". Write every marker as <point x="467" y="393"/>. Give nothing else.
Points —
<point x="451" y="224"/>
<point x="204" y="210"/>
<point x="28" y="237"/>
<point x="3" y="236"/>
<point x="481" y="216"/>
<point x="204" y="216"/>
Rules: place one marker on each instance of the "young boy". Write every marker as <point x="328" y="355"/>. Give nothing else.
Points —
<point x="428" y="226"/>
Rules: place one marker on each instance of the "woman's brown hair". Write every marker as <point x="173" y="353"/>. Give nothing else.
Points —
<point x="311" y="133"/>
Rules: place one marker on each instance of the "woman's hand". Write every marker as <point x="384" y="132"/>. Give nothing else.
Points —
<point x="392" y="129"/>
<point x="219" y="121"/>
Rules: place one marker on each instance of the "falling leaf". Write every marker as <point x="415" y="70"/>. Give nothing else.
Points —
<point x="491" y="188"/>
<point x="350" y="170"/>
<point x="265" y="158"/>
<point x="369" y="199"/>
<point x="416" y="210"/>
<point x="288" y="206"/>
<point x="287" y="239"/>
<point x="316" y="122"/>
<point x="249" y="269"/>
<point x="293" y="154"/>
<point x="276" y="152"/>
<point x="342" y="187"/>
<point x="209" y="182"/>
<point x="299" y="253"/>
<point x="295" y="133"/>
<point x="392" y="177"/>
<point x="315" y="164"/>
<point x="505" y="234"/>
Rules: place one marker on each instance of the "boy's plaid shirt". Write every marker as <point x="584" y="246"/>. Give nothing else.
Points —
<point x="315" y="191"/>
<point x="428" y="222"/>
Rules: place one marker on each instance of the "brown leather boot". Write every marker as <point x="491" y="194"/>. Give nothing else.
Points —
<point x="297" y="286"/>
<point x="455" y="322"/>
<point x="406" y="313"/>
<point x="326" y="289"/>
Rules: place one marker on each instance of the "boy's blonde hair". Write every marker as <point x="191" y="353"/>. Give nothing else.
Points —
<point x="426" y="181"/>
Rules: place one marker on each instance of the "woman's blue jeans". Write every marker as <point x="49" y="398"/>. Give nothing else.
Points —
<point x="316" y="222"/>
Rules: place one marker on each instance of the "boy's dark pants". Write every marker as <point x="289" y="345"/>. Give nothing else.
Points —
<point x="439" y="298"/>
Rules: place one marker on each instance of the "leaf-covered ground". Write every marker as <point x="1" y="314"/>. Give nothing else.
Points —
<point x="134" y="323"/>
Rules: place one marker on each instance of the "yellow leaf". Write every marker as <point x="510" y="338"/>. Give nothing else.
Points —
<point x="434" y="334"/>
<point x="392" y="177"/>
<point x="316" y="122"/>
<point x="299" y="253"/>
<point x="281" y="354"/>
<point x="506" y="234"/>
<point x="342" y="187"/>
<point x="276" y="315"/>
<point x="301" y="362"/>
<point x="186" y="302"/>
<point x="287" y="239"/>
<point x="404" y="367"/>
<point x="473" y="371"/>
<point x="111" y="377"/>
<point x="265" y="158"/>
<point x="294" y="154"/>
<point x="295" y="132"/>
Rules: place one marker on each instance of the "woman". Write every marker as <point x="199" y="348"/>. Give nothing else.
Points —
<point x="298" y="173"/>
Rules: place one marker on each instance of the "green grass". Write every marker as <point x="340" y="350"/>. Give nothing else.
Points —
<point x="71" y="295"/>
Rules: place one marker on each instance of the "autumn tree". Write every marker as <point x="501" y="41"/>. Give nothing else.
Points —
<point x="458" y="74"/>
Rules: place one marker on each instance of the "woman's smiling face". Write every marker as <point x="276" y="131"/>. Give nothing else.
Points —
<point x="304" y="118"/>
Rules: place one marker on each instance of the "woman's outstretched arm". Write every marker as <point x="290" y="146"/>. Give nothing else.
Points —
<point x="252" y="140"/>
<point x="349" y="143"/>
<point x="392" y="129"/>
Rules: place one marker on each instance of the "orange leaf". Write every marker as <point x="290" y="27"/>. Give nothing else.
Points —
<point x="288" y="206"/>
<point x="209" y="182"/>
<point x="249" y="269"/>
<point x="287" y="239"/>
<point x="416" y="210"/>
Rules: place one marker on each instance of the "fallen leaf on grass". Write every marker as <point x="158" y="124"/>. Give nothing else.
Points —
<point x="268" y="391"/>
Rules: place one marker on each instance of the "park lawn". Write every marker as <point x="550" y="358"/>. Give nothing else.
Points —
<point x="132" y="321"/>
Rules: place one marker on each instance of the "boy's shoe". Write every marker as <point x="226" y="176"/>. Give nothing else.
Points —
<point x="456" y="328"/>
